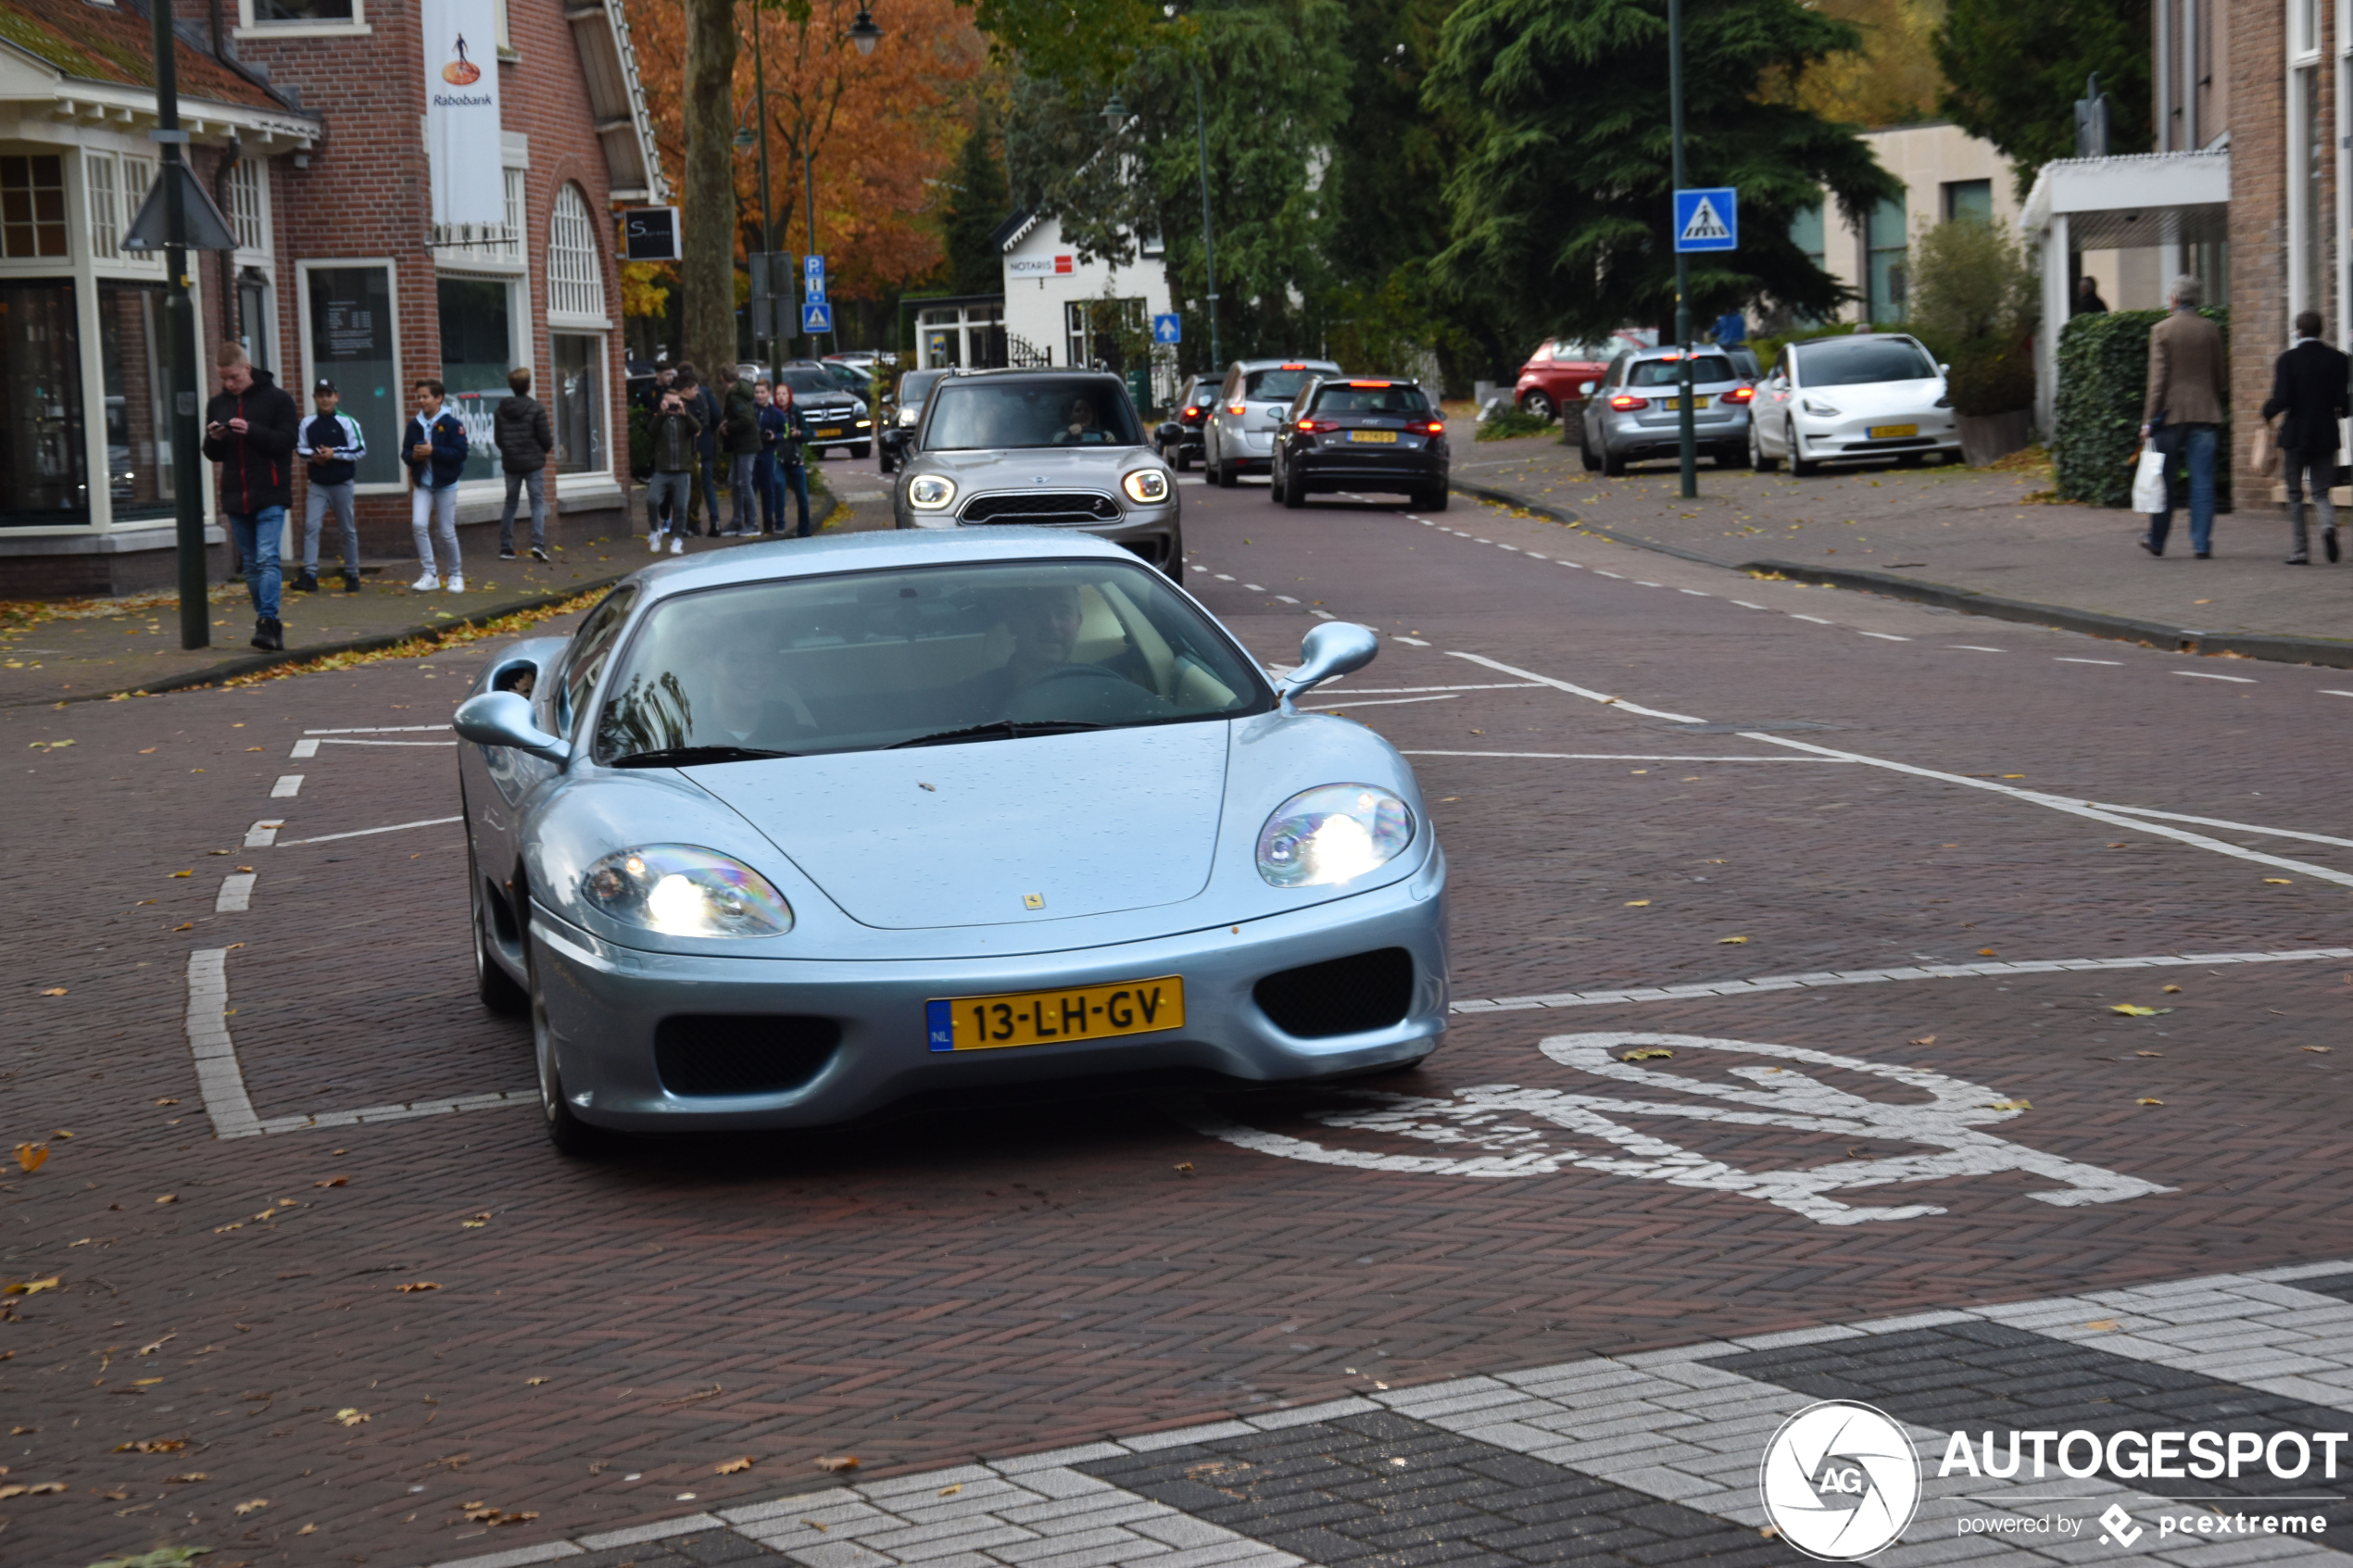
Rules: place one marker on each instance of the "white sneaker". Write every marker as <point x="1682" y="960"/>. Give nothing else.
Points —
<point x="653" y="541"/>
<point x="428" y="582"/>
<point x="677" y="546"/>
<point x="456" y="584"/>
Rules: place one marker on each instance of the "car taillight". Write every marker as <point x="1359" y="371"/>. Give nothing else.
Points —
<point x="1740" y="394"/>
<point x="1311" y="426"/>
<point x="1237" y="410"/>
<point x="1625" y="400"/>
<point x="1427" y="427"/>
<point x="1192" y="413"/>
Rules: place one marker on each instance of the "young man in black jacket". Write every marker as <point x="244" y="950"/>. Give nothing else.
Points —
<point x="332" y="444"/>
<point x="249" y="432"/>
<point x="526" y="438"/>
<point x="2308" y="385"/>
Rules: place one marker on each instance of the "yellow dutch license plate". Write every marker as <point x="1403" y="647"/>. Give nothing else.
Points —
<point x="1888" y="433"/>
<point x="834" y="430"/>
<point x="1041" y="1018"/>
<point x="1698" y="401"/>
<point x="1386" y="437"/>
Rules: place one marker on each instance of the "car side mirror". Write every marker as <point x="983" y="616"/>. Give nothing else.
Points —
<point x="1585" y="388"/>
<point x="1335" y="648"/>
<point x="1944" y="369"/>
<point x="504" y="719"/>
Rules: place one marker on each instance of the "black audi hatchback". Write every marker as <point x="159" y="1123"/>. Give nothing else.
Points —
<point x="1361" y="432"/>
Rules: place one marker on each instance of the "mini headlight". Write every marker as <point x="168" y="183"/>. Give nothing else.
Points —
<point x="1333" y="834"/>
<point x="1825" y="409"/>
<point x="681" y="890"/>
<point x="930" y="492"/>
<point x="1145" y="484"/>
<point x="907" y="417"/>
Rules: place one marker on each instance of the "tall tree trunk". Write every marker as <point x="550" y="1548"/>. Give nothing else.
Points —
<point x="706" y="268"/>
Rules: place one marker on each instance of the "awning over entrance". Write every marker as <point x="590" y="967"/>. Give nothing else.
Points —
<point x="2169" y="200"/>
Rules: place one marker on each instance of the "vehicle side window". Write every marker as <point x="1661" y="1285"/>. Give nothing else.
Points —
<point x="584" y="661"/>
<point x="1787" y="368"/>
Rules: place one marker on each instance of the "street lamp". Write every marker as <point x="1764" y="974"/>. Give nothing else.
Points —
<point x="1116" y="111"/>
<point x="864" y="32"/>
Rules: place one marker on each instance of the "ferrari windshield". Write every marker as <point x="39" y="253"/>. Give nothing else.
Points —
<point x="914" y="657"/>
<point x="985" y="415"/>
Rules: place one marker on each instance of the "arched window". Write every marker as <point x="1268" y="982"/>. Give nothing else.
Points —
<point x="575" y="275"/>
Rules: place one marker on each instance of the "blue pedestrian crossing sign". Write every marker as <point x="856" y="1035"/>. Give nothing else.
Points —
<point x="1168" y="329"/>
<point x="816" y="317"/>
<point x="1707" y="218"/>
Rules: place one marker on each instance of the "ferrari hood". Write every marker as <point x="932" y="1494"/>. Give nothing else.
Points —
<point x="970" y="834"/>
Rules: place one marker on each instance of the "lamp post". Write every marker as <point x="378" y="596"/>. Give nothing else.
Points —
<point x="179" y="350"/>
<point x="1686" y="437"/>
<point x="767" y="225"/>
<point x="864" y="34"/>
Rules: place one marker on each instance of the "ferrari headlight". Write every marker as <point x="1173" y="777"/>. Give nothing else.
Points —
<point x="930" y="492"/>
<point x="1145" y="484"/>
<point x="1333" y="834"/>
<point x="681" y="890"/>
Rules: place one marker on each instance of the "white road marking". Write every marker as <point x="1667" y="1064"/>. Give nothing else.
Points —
<point x="1576" y="690"/>
<point x="1572" y="565"/>
<point x="1696" y="593"/>
<point x="1607" y="757"/>
<point x="1815" y="618"/>
<point x="1495" y="1120"/>
<point x="1201" y="569"/>
<point x="1486" y="540"/>
<point x="1513" y="548"/>
<point x="1744" y="604"/>
<point x="1253" y="588"/>
<point x="1222" y="577"/>
<point x="376" y="742"/>
<point x="2062" y="659"/>
<point x="2325" y="692"/>
<point x="2220" y="823"/>
<point x="379" y="730"/>
<point x="1887" y="636"/>
<point x="287" y="787"/>
<point x="1974" y="648"/>
<point x="263" y="833"/>
<point x="1492" y="686"/>
<point x="1599" y="573"/>
<point x="1638" y="583"/>
<point x="1539" y="554"/>
<point x="2202" y="675"/>
<point x="303" y="749"/>
<point x="1384" y="702"/>
<point x="236" y="894"/>
<point x="1418" y="642"/>
<point x="1322" y="614"/>
<point x="363" y="833"/>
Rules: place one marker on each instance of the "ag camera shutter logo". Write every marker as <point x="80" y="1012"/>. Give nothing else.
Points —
<point x="1840" y="1481"/>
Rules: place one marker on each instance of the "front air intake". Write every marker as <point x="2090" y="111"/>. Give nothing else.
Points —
<point x="1349" y="995"/>
<point x="702" y="1055"/>
<point x="1047" y="507"/>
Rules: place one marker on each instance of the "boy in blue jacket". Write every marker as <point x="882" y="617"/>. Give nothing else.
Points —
<point x="436" y="448"/>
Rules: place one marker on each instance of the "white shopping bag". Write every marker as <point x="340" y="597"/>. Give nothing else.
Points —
<point x="2148" y="481"/>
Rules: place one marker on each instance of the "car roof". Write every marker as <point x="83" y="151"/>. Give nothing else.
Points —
<point x="1859" y="337"/>
<point x="827" y="554"/>
<point x="1670" y="351"/>
<point x="1054" y="373"/>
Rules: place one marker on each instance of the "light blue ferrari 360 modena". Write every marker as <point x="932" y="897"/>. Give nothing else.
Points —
<point x="788" y="833"/>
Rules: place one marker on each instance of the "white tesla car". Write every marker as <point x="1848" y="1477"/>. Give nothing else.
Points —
<point x="1874" y="394"/>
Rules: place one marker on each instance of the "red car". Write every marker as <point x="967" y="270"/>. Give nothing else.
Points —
<point x="1554" y="375"/>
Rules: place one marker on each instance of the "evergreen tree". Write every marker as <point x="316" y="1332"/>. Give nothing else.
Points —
<point x="2014" y="72"/>
<point x="979" y="202"/>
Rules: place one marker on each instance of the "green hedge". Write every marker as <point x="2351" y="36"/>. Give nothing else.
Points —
<point x="2103" y="378"/>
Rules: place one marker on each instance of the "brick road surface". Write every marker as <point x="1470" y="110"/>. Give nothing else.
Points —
<point x="601" y="1338"/>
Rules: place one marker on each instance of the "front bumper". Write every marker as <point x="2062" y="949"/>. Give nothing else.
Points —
<point x="1153" y="533"/>
<point x="604" y="1004"/>
<point x="1821" y="437"/>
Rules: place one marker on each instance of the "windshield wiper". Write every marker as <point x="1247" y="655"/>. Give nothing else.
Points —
<point x="693" y="756"/>
<point x="1003" y="729"/>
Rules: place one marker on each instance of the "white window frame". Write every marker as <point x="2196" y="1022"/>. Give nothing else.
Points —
<point x="248" y="27"/>
<point x="311" y="368"/>
<point x="560" y="311"/>
<point x="250" y="176"/>
<point x="598" y="484"/>
<point x="2304" y="291"/>
<point x="102" y="201"/>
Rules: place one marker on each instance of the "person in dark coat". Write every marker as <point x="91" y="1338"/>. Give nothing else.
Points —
<point x="520" y="430"/>
<point x="2088" y="297"/>
<point x="2309" y="387"/>
<point x="250" y="426"/>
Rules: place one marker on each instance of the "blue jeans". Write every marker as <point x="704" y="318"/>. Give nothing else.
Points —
<point x="2196" y="444"/>
<point x="257" y="535"/>
<point x="709" y="481"/>
<point x="793" y="477"/>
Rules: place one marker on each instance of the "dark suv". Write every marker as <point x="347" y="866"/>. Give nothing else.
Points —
<point x="1361" y="432"/>
<point x="1179" y="439"/>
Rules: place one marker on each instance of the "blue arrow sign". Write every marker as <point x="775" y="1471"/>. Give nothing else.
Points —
<point x="1707" y="218"/>
<point x="812" y="273"/>
<point x="1168" y="329"/>
<point x="816" y="317"/>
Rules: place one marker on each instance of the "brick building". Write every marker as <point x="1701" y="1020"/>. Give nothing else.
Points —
<point x="307" y="121"/>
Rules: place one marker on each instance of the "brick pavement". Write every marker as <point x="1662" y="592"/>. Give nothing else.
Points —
<point x="926" y="1292"/>
<point x="1963" y="528"/>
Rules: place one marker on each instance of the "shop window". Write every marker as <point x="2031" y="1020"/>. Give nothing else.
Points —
<point x="477" y="349"/>
<point x="43" y="480"/>
<point x="575" y="271"/>
<point x="139" y="476"/>
<point x="579" y="402"/>
<point x="253" y="322"/>
<point x="33" y="205"/>
<point x="351" y="344"/>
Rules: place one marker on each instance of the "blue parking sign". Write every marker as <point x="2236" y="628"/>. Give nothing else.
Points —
<point x="1707" y="218"/>
<point x="1168" y="329"/>
<point x="812" y="273"/>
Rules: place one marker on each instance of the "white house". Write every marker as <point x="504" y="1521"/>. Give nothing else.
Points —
<point x="1056" y="300"/>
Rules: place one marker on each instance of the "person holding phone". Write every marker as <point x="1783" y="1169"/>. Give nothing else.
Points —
<point x="436" y="447"/>
<point x="332" y="445"/>
<point x="249" y="435"/>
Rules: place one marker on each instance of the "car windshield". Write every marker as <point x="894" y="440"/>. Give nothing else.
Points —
<point x="806" y="382"/>
<point x="1204" y="391"/>
<point x="1854" y="363"/>
<point x="918" y="656"/>
<point x="1279" y="386"/>
<point x="1590" y="353"/>
<point x="1706" y="368"/>
<point x="988" y="415"/>
<point x="1348" y="399"/>
<point x="915" y="384"/>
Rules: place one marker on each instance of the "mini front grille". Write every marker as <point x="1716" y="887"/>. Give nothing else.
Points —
<point x="1349" y="995"/>
<point x="708" y="1054"/>
<point x="1049" y="505"/>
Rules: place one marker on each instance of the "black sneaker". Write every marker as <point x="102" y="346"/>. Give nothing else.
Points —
<point x="2328" y="544"/>
<point x="2152" y="549"/>
<point x="350" y="582"/>
<point x="270" y="634"/>
<point x="538" y="552"/>
<point x="506" y="552"/>
<point x="306" y="582"/>
<point x="2300" y="558"/>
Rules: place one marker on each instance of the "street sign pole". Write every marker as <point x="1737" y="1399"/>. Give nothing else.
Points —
<point x="1208" y="246"/>
<point x="1687" y="438"/>
<point x="186" y="379"/>
<point x="767" y="229"/>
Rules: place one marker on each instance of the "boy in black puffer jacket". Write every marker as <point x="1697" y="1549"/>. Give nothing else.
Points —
<point x="526" y="438"/>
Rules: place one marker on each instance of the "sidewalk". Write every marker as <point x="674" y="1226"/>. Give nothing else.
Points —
<point x="1968" y="539"/>
<point x="80" y="649"/>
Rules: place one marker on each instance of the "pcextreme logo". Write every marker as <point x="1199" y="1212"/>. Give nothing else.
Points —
<point x="1840" y="1481"/>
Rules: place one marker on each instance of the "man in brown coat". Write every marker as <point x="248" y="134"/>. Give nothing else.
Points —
<point x="2183" y="411"/>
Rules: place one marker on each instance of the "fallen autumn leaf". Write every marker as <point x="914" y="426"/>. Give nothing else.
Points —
<point x="734" y="1466"/>
<point x="846" y="1462"/>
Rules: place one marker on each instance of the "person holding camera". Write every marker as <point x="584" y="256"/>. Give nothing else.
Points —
<point x="675" y="433"/>
<point x="250" y="433"/>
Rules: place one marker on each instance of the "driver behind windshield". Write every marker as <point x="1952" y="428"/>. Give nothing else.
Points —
<point x="1079" y="428"/>
<point x="1043" y="622"/>
<point x="749" y="706"/>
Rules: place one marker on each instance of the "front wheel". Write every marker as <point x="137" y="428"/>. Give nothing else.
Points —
<point x="1758" y="458"/>
<point x="1432" y="500"/>
<point x="1537" y="405"/>
<point x="1182" y="461"/>
<point x="567" y="1132"/>
<point x="1798" y="467"/>
<point x="862" y="449"/>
